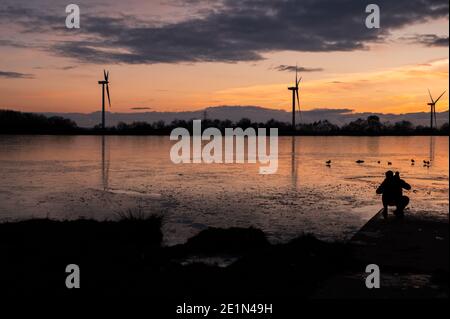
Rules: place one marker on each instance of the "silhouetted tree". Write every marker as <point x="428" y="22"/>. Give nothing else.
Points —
<point x="374" y="124"/>
<point x="403" y="127"/>
<point x="12" y="122"/>
<point x="244" y="123"/>
<point x="18" y="122"/>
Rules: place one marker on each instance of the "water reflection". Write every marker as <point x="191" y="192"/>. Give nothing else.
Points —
<point x="71" y="176"/>
<point x="432" y="148"/>
<point x="373" y="145"/>
<point x="105" y="163"/>
<point x="294" y="163"/>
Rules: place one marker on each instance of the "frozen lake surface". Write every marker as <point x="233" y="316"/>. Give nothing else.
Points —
<point x="94" y="177"/>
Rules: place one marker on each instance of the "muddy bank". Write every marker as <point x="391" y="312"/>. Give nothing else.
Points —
<point x="411" y="252"/>
<point x="127" y="257"/>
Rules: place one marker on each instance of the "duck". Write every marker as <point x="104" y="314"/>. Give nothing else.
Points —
<point x="389" y="163"/>
<point x="359" y="161"/>
<point x="328" y="162"/>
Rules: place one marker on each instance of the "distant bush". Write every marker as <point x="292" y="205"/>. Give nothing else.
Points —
<point x="12" y="122"/>
<point x="17" y="122"/>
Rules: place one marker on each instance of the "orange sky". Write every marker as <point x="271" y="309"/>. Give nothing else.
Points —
<point x="387" y="77"/>
<point x="397" y="90"/>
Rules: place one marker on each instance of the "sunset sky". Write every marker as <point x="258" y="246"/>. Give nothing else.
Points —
<point x="173" y="55"/>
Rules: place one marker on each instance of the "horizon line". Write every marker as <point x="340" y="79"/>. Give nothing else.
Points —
<point x="350" y="111"/>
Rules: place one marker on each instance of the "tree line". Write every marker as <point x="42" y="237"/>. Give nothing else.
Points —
<point x="13" y="122"/>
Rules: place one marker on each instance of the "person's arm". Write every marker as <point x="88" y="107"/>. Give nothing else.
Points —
<point x="380" y="188"/>
<point x="405" y="185"/>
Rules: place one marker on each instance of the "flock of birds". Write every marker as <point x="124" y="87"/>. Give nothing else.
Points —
<point x="426" y="164"/>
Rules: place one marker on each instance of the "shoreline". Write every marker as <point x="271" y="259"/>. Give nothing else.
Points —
<point x="371" y="125"/>
<point x="167" y="134"/>
<point x="238" y="260"/>
<point x="412" y="254"/>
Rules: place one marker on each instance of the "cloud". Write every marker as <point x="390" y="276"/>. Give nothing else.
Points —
<point x="431" y="40"/>
<point x="65" y="68"/>
<point x="61" y="68"/>
<point x="140" y="108"/>
<point x="293" y="68"/>
<point x="231" y="31"/>
<point x="15" y="75"/>
<point x="13" y="43"/>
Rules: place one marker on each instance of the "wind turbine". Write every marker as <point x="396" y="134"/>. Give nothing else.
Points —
<point x="294" y="90"/>
<point x="432" y="105"/>
<point x="104" y="84"/>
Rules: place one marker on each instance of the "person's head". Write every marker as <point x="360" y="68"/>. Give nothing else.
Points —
<point x="389" y="174"/>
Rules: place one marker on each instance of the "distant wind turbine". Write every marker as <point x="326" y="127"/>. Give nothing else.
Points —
<point x="294" y="90"/>
<point x="104" y="84"/>
<point x="432" y="105"/>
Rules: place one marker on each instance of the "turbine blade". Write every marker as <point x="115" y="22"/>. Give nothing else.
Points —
<point x="104" y="75"/>
<point x="430" y="96"/>
<point x="439" y="97"/>
<point x="107" y="93"/>
<point x="299" y="80"/>
<point x="296" y="72"/>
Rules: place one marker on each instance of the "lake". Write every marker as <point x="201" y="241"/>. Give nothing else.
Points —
<point x="69" y="177"/>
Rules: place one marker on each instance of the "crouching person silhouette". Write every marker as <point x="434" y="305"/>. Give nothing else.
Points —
<point x="392" y="193"/>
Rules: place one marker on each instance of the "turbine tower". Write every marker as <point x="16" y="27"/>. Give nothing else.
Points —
<point x="432" y="105"/>
<point x="104" y="84"/>
<point x="294" y="90"/>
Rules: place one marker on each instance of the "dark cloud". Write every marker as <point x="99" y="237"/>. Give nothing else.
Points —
<point x="15" y="75"/>
<point x="61" y="68"/>
<point x="293" y="68"/>
<point x="432" y="40"/>
<point x="233" y="31"/>
<point x="140" y="108"/>
<point x="14" y="44"/>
